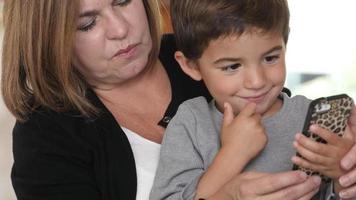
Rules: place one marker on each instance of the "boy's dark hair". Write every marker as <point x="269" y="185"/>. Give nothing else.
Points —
<point x="197" y="22"/>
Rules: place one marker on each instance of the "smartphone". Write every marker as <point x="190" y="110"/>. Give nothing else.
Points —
<point x="330" y="113"/>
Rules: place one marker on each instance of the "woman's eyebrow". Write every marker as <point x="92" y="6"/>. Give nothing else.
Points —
<point x="89" y="13"/>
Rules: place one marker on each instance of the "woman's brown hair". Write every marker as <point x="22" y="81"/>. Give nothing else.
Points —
<point x="37" y="54"/>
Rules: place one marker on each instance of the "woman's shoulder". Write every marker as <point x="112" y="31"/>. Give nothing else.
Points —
<point x="45" y="117"/>
<point x="45" y="128"/>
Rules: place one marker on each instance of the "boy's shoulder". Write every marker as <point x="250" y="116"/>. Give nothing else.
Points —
<point x="193" y="108"/>
<point x="196" y="103"/>
<point x="297" y="103"/>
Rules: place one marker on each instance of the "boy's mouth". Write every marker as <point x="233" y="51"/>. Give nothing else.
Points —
<point x="256" y="98"/>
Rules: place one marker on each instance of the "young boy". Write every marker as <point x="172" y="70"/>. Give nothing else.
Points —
<point x="237" y="48"/>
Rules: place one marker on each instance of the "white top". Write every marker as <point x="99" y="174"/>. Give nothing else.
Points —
<point x="146" y="154"/>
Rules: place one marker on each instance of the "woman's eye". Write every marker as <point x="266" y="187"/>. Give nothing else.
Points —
<point x="87" y="26"/>
<point x="120" y="2"/>
<point x="231" y="68"/>
<point x="271" y="59"/>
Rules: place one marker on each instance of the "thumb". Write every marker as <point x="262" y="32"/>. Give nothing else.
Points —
<point x="349" y="134"/>
<point x="352" y="121"/>
<point x="228" y="114"/>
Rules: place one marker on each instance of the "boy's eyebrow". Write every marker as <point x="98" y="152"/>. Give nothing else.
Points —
<point x="276" y="48"/>
<point x="226" y="59"/>
<point x="232" y="59"/>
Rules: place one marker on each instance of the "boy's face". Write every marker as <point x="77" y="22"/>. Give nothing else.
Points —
<point x="245" y="68"/>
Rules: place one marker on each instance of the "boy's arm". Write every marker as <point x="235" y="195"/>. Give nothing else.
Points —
<point x="180" y="165"/>
<point x="324" y="158"/>
<point x="242" y="138"/>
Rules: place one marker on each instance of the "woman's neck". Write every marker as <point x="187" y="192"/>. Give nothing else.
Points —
<point x="141" y="104"/>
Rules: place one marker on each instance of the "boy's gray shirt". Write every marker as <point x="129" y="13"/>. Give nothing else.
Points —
<point x="192" y="139"/>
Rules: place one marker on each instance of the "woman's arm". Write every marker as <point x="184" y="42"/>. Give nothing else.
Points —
<point x="49" y="164"/>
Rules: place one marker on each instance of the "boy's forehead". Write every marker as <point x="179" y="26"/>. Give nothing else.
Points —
<point x="245" y="44"/>
<point x="250" y="33"/>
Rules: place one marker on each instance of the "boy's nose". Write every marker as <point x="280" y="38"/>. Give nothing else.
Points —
<point x="255" y="78"/>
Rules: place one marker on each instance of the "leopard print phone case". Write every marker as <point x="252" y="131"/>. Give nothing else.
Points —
<point x="330" y="113"/>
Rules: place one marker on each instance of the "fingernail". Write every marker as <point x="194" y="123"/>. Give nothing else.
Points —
<point x="316" y="180"/>
<point x="297" y="136"/>
<point x="312" y="127"/>
<point x="343" y="195"/>
<point x="344" y="181"/>
<point x="346" y="164"/>
<point x="303" y="175"/>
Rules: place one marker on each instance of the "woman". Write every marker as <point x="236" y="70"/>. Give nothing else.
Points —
<point x="92" y="94"/>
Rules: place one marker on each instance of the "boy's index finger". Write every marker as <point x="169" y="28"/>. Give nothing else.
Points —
<point x="248" y="110"/>
<point x="327" y="135"/>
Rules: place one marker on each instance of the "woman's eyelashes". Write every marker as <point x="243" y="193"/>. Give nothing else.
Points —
<point x="88" y="26"/>
<point x="90" y="23"/>
<point x="120" y="2"/>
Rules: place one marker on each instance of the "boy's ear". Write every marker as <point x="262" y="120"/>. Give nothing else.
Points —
<point x="189" y="67"/>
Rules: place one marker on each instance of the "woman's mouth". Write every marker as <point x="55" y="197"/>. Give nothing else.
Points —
<point x="128" y="52"/>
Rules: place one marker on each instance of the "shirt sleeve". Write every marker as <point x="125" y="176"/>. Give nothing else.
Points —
<point x="180" y="164"/>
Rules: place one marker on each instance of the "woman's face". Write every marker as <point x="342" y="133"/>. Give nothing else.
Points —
<point x="112" y="42"/>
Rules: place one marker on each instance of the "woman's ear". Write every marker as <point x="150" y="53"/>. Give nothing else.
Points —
<point x="189" y="67"/>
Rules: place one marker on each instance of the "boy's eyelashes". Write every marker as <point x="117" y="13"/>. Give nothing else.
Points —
<point x="271" y="59"/>
<point x="231" y="68"/>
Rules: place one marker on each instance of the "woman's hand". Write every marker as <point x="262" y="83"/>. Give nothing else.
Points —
<point x="348" y="163"/>
<point x="293" y="185"/>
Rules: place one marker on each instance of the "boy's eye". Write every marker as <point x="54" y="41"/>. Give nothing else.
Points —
<point x="120" y="2"/>
<point x="271" y="59"/>
<point x="85" y="27"/>
<point x="231" y="68"/>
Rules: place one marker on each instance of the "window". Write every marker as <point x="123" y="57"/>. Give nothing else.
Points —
<point x="321" y="51"/>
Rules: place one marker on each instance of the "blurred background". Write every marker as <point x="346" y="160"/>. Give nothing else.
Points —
<point x="321" y="61"/>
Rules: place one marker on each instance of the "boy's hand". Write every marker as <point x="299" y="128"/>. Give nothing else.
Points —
<point x="324" y="158"/>
<point x="243" y="133"/>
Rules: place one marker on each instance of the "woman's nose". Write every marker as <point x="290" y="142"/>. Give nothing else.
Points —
<point x="117" y="26"/>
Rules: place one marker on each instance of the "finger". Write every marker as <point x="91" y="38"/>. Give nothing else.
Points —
<point x="327" y="135"/>
<point x="274" y="182"/>
<point x="348" y="133"/>
<point x="304" y="143"/>
<point x="309" y="195"/>
<point x="348" y="179"/>
<point x="348" y="193"/>
<point x="306" y="164"/>
<point x="228" y="114"/>
<point x="248" y="110"/>
<point x="301" y="190"/>
<point x="352" y="120"/>
<point x="349" y="160"/>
